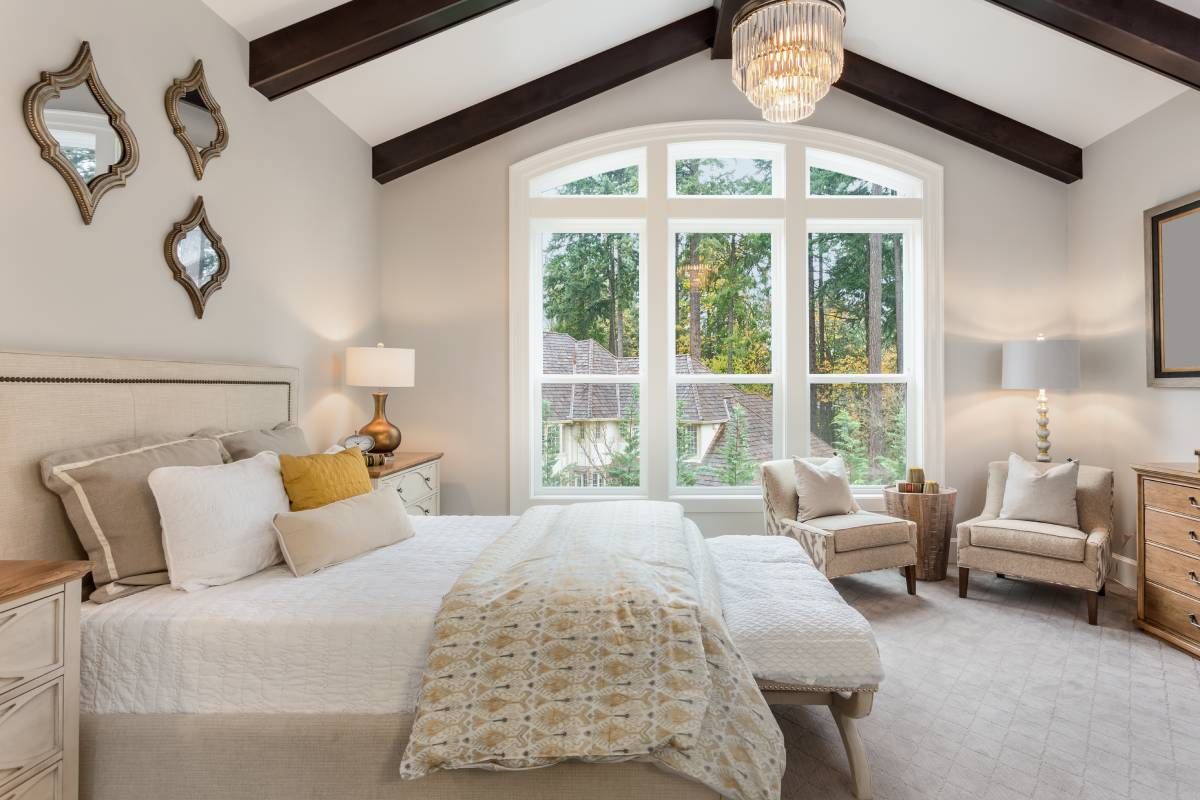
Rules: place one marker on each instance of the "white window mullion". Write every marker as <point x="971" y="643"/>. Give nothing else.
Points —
<point x="795" y="363"/>
<point x="657" y="342"/>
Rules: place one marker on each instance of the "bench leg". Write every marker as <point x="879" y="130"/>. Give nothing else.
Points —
<point x="910" y="577"/>
<point x="1093" y="600"/>
<point x="856" y="754"/>
<point x="964" y="575"/>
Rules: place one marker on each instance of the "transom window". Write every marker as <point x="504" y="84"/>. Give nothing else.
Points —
<point x="691" y="300"/>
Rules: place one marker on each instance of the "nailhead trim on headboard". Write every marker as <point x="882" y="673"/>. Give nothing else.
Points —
<point x="175" y="381"/>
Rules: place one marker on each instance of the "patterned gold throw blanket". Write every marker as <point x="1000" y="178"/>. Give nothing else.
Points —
<point x="594" y="632"/>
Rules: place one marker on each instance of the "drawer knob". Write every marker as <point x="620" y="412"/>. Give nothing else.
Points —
<point x="424" y="510"/>
<point x="1195" y="504"/>
<point x="1192" y="535"/>
<point x="1192" y="619"/>
<point x="428" y="483"/>
<point x="1195" y="579"/>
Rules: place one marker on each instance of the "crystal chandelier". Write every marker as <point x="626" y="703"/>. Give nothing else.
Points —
<point x="787" y="54"/>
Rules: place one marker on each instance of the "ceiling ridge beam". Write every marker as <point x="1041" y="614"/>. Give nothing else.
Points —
<point x="348" y="35"/>
<point x="1151" y="34"/>
<point x="960" y="118"/>
<point x="544" y="96"/>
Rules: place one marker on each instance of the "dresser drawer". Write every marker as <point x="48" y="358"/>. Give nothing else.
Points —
<point x="417" y="483"/>
<point x="1180" y="533"/>
<point x="1168" y="568"/>
<point x="31" y="731"/>
<point x="1175" y="612"/>
<point x="46" y="785"/>
<point x="31" y="640"/>
<point x="427" y="507"/>
<point x="1172" y="497"/>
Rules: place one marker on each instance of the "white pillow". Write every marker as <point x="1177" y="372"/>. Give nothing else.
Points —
<point x="1035" y="496"/>
<point x="320" y="537"/>
<point x="822" y="490"/>
<point x="216" y="521"/>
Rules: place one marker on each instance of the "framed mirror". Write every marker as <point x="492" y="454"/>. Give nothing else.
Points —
<point x="81" y="131"/>
<point x="196" y="256"/>
<point x="197" y="119"/>
<point x="1172" y="285"/>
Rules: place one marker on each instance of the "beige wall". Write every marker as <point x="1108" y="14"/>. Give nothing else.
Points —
<point x="1117" y="420"/>
<point x="445" y="279"/>
<point x="291" y="197"/>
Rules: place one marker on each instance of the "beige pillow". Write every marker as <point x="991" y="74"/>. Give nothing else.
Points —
<point x="1034" y="495"/>
<point x="318" y="538"/>
<point x="822" y="488"/>
<point x="105" y="492"/>
<point x="286" y="438"/>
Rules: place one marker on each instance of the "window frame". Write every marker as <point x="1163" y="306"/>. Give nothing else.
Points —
<point x="657" y="212"/>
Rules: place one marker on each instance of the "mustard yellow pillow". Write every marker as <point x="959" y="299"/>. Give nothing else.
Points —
<point x="315" y="481"/>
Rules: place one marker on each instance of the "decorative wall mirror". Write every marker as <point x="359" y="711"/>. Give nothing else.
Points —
<point x="197" y="119"/>
<point x="1172" y="285"/>
<point x="82" y="131"/>
<point x="196" y="256"/>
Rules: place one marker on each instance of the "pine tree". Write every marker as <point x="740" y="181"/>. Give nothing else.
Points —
<point x="625" y="468"/>
<point x="739" y="468"/>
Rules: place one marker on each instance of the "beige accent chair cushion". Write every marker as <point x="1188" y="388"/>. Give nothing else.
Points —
<point x="1040" y="495"/>
<point x="106" y="494"/>
<point x="862" y="530"/>
<point x="286" y="438"/>
<point x="822" y="488"/>
<point x="321" y="537"/>
<point x="1033" y="538"/>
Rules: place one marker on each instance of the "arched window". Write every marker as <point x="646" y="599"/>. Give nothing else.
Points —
<point x="689" y="300"/>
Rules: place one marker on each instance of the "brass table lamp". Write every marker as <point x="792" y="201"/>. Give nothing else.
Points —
<point x="381" y="367"/>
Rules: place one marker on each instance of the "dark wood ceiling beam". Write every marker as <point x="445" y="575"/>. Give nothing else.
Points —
<point x="348" y="35"/>
<point x="723" y="40"/>
<point x="1146" y="32"/>
<point x="961" y="118"/>
<point x="546" y="95"/>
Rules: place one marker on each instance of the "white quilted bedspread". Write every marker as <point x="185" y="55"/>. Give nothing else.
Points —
<point x="353" y="638"/>
<point x="787" y="620"/>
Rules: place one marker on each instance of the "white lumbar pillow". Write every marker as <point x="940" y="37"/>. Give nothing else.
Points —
<point x="1035" y="496"/>
<point x="822" y="489"/>
<point x="216" y="521"/>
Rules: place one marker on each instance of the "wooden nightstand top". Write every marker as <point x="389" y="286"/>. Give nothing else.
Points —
<point x="19" y="578"/>
<point x="401" y="462"/>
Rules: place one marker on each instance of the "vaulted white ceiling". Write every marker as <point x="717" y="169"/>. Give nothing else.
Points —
<point x="971" y="48"/>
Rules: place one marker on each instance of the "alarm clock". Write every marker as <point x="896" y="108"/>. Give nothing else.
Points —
<point x="361" y="441"/>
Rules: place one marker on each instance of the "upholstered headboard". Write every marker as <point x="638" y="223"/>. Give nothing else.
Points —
<point x="54" y="402"/>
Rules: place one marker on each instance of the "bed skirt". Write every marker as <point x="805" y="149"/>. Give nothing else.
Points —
<point x="322" y="757"/>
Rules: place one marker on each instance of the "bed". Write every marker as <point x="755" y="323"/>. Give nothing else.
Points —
<point x="277" y="687"/>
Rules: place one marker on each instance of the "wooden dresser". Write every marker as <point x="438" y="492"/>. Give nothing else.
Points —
<point x="416" y="477"/>
<point x="39" y="679"/>
<point x="1169" y="553"/>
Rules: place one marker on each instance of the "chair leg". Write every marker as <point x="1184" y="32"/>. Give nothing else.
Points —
<point x="1000" y="575"/>
<point x="910" y="577"/>
<point x="1093" y="600"/>
<point x="963" y="577"/>
<point x="1103" y="590"/>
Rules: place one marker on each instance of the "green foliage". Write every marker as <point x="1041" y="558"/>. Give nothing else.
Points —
<point x="723" y="176"/>
<point x="625" y="465"/>
<point x="551" y="447"/>
<point x="685" y="471"/>
<point x="590" y="288"/>
<point x="622" y="181"/>
<point x="827" y="183"/>
<point x="83" y="159"/>
<point x="739" y="468"/>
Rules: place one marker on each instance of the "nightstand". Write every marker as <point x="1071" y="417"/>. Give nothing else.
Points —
<point x="39" y="679"/>
<point x="416" y="478"/>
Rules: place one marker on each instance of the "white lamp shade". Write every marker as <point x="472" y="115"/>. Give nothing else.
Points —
<point x="381" y="367"/>
<point x="1041" y="364"/>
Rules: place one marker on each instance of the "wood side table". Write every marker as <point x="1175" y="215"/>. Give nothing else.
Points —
<point x="934" y="515"/>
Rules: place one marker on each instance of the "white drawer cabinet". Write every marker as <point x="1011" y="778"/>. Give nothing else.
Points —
<point x="39" y="679"/>
<point x="416" y="477"/>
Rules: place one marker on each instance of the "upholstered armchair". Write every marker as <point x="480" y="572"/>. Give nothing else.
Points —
<point x="1040" y="551"/>
<point x="844" y="544"/>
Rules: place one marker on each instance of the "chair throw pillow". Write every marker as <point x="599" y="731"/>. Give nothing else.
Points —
<point x="315" y="481"/>
<point x="321" y="537"/>
<point x="108" y="500"/>
<point x="822" y="488"/>
<point x="216" y="521"/>
<point x="1034" y="495"/>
